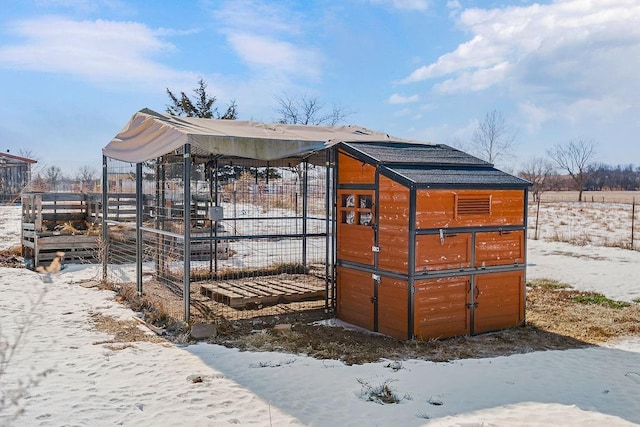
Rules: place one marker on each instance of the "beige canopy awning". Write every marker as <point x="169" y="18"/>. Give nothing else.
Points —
<point x="149" y="135"/>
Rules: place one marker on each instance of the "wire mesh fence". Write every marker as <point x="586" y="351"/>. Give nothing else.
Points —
<point x="256" y="243"/>
<point x="612" y="224"/>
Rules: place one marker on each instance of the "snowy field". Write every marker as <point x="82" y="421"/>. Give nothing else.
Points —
<point x="597" y="224"/>
<point x="81" y="380"/>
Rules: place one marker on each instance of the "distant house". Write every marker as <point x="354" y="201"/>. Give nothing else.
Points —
<point x="15" y="174"/>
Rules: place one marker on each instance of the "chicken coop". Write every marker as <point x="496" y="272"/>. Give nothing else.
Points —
<point x="237" y="219"/>
<point x="233" y="219"/>
<point x="430" y="241"/>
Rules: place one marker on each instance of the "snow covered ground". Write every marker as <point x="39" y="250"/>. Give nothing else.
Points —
<point x="81" y="380"/>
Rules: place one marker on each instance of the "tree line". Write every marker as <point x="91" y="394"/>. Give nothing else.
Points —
<point x="579" y="172"/>
<point x="566" y="166"/>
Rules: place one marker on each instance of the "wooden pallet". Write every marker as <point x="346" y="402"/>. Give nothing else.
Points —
<point x="263" y="291"/>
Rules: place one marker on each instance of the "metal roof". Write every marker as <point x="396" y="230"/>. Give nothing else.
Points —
<point x="10" y="158"/>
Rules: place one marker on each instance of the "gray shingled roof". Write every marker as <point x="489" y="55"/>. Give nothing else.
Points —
<point x="427" y="154"/>
<point x="457" y="176"/>
<point x="435" y="165"/>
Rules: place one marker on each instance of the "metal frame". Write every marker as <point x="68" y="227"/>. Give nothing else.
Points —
<point x="184" y="237"/>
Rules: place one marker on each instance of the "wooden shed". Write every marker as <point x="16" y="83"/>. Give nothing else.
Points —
<point x="15" y="174"/>
<point x="430" y="241"/>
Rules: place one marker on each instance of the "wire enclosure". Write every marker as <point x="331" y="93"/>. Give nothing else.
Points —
<point x="238" y="239"/>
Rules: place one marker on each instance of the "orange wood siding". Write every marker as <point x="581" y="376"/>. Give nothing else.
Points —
<point x="437" y="208"/>
<point x="393" y="314"/>
<point x="440" y="308"/>
<point x="352" y="171"/>
<point x="393" y="225"/>
<point x="500" y="298"/>
<point x="354" y="243"/>
<point x="496" y="248"/>
<point x="453" y="251"/>
<point x="355" y="290"/>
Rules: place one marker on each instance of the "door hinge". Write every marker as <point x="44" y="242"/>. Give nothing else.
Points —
<point x="375" y="249"/>
<point x="472" y="304"/>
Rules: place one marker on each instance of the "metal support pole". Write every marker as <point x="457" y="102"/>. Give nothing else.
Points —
<point x="186" y="275"/>
<point x="305" y="206"/>
<point x="327" y="241"/>
<point x="334" y="225"/>
<point x="105" y="189"/>
<point x="411" y="262"/>
<point x="139" y="213"/>
<point x="214" y="224"/>
<point x="157" y="211"/>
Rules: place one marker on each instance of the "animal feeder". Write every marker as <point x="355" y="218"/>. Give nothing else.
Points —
<point x="430" y="241"/>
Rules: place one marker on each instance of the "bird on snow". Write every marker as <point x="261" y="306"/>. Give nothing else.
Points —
<point x="54" y="267"/>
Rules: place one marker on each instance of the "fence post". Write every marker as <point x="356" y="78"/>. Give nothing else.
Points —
<point x="535" y="237"/>
<point x="633" y="220"/>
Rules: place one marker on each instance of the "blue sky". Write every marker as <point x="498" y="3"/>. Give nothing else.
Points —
<point x="72" y="72"/>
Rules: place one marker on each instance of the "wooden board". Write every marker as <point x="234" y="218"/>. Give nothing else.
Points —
<point x="262" y="291"/>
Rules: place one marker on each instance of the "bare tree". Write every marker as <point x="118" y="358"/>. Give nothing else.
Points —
<point x="27" y="153"/>
<point x="86" y="175"/>
<point x="494" y="139"/>
<point x="537" y="170"/>
<point x="53" y="175"/>
<point x="308" y="111"/>
<point x="574" y="157"/>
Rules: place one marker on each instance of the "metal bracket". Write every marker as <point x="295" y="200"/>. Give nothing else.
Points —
<point x="375" y="277"/>
<point x="375" y="249"/>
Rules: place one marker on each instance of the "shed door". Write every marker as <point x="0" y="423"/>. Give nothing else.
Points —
<point x="391" y="308"/>
<point x="499" y="301"/>
<point x="441" y="307"/>
<point x="356" y="297"/>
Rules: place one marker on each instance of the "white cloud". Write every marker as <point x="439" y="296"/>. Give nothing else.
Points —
<point x="568" y="52"/>
<point x="274" y="54"/>
<point x="94" y="50"/>
<point x="454" y="5"/>
<point x="259" y="17"/>
<point x="399" y="99"/>
<point x="533" y="116"/>
<point x="475" y="81"/>
<point x="405" y="4"/>
<point x="271" y="37"/>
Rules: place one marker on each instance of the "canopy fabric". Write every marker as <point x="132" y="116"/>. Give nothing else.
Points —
<point x="149" y="135"/>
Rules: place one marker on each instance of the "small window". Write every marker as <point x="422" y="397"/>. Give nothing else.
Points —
<point x="348" y="200"/>
<point x="473" y="205"/>
<point x="356" y="209"/>
<point x="365" y="202"/>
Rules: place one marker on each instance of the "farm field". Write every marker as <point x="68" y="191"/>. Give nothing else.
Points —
<point x="84" y="373"/>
